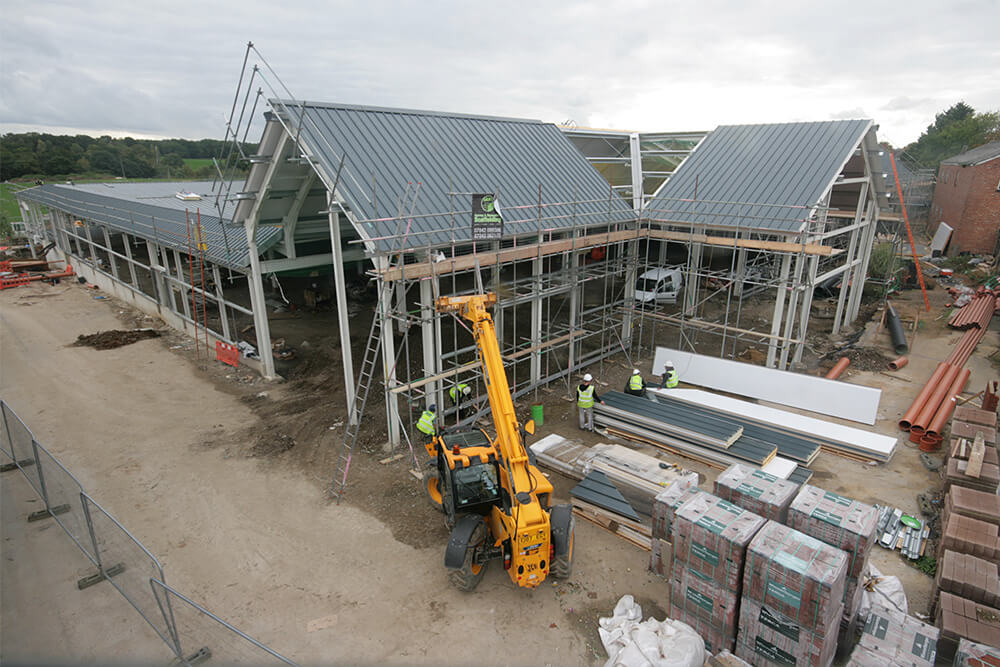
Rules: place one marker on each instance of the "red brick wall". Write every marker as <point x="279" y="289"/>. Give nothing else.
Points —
<point x="967" y="199"/>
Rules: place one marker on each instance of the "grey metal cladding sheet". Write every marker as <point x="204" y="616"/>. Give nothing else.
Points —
<point x="388" y="152"/>
<point x="749" y="175"/>
<point x="161" y="221"/>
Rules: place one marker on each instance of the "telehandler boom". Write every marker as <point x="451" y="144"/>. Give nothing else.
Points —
<point x="494" y="498"/>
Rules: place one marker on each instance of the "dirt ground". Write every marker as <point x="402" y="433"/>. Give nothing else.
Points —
<point x="224" y="477"/>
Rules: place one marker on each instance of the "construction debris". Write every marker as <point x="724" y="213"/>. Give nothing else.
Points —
<point x="902" y="532"/>
<point x="108" y="340"/>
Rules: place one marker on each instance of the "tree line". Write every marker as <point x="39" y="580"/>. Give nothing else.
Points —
<point x="954" y="131"/>
<point x="33" y="155"/>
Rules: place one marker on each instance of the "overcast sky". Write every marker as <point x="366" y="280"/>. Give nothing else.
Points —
<point x="171" y="71"/>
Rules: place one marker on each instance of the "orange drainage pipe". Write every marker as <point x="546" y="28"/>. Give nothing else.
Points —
<point x="934" y="401"/>
<point x="943" y="414"/>
<point x="896" y="364"/>
<point x="918" y="403"/>
<point x="838" y="368"/>
<point x="930" y="443"/>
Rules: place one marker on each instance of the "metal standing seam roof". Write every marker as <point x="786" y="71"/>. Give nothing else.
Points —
<point x="152" y="211"/>
<point x="761" y="176"/>
<point x="390" y="151"/>
<point x="977" y="155"/>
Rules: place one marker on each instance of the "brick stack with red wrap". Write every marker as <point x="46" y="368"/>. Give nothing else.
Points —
<point x="755" y="490"/>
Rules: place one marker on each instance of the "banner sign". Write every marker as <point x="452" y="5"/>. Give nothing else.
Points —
<point x="487" y="223"/>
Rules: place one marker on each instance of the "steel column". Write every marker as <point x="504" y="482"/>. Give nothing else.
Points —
<point x="333" y="217"/>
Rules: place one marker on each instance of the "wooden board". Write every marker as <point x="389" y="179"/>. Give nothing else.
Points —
<point x="975" y="464"/>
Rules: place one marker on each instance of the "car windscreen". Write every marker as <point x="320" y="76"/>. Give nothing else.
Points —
<point x="646" y="284"/>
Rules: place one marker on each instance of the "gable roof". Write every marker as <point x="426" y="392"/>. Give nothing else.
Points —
<point x="977" y="155"/>
<point x="762" y="176"/>
<point x="152" y="211"/>
<point x="427" y="165"/>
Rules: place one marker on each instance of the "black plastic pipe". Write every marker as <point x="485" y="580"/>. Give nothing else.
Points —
<point x="895" y="326"/>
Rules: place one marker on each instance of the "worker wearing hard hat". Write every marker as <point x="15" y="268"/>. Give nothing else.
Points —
<point x="426" y="424"/>
<point x="458" y="393"/>
<point x="670" y="376"/>
<point x="586" y="394"/>
<point x="635" y="384"/>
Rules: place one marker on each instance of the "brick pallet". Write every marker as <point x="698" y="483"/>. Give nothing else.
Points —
<point x="710" y="543"/>
<point x="665" y="507"/>
<point x="970" y="431"/>
<point x="755" y="490"/>
<point x="969" y="577"/>
<point x="661" y="556"/>
<point x="987" y="481"/>
<point x="966" y="535"/>
<point x="958" y="618"/>
<point x="892" y="638"/>
<point x="971" y="654"/>
<point x="793" y="592"/>
<point x="847" y="524"/>
<point x="962" y="452"/>
<point x="972" y="503"/>
<point x="768" y="637"/>
<point x="974" y="415"/>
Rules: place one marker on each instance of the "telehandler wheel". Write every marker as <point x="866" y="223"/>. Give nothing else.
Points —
<point x="432" y="485"/>
<point x="563" y="536"/>
<point x="468" y="577"/>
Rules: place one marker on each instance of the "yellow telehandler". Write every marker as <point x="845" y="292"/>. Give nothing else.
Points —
<point x="495" y="499"/>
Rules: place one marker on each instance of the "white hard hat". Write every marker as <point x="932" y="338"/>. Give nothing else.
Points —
<point x="670" y="364"/>
<point x="588" y="377"/>
<point x="635" y="371"/>
<point x="466" y="391"/>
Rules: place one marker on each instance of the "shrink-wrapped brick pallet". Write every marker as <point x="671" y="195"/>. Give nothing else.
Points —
<point x="710" y="542"/>
<point x="847" y="524"/>
<point x="792" y="602"/>
<point x="892" y="638"/>
<point x="693" y="597"/>
<point x="661" y="557"/>
<point x="665" y="506"/>
<point x="971" y="654"/>
<point x="711" y="537"/>
<point x="755" y="490"/>
<point x="766" y="636"/>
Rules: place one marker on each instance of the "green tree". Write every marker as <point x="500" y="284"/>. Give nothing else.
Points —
<point x="954" y="131"/>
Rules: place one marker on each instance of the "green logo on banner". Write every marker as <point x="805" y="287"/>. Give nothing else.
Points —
<point x="487" y="203"/>
<point x="704" y="553"/>
<point x="700" y="599"/>
<point x="784" y="594"/>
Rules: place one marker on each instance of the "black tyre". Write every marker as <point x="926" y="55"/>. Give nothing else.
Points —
<point x="563" y="525"/>
<point x="468" y="577"/>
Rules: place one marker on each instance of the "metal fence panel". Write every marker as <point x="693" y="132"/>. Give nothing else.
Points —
<point x="65" y="500"/>
<point x="4" y="437"/>
<point x="204" y="636"/>
<point x="129" y="566"/>
<point x="21" y="446"/>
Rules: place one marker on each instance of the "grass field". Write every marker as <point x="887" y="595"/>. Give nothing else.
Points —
<point x="8" y="205"/>
<point x="197" y="162"/>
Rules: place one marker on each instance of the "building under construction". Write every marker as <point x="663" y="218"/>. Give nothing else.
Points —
<point x="386" y="196"/>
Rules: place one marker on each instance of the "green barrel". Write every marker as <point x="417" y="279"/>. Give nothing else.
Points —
<point x="538" y="414"/>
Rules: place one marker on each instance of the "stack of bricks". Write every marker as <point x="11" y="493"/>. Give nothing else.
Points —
<point x="958" y="618"/>
<point x="757" y="491"/>
<point x="987" y="480"/>
<point x="793" y="599"/>
<point x="969" y="577"/>
<point x="892" y="638"/>
<point x="841" y="522"/>
<point x="968" y="423"/>
<point x="971" y="654"/>
<point x="664" y="507"/>
<point x="972" y="503"/>
<point x="966" y="535"/>
<point x="710" y="543"/>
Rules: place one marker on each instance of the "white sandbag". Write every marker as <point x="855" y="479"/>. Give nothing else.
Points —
<point x="887" y="592"/>
<point x="632" y="642"/>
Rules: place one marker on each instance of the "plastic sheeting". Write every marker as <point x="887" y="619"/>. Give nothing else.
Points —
<point x="887" y="592"/>
<point x="632" y="642"/>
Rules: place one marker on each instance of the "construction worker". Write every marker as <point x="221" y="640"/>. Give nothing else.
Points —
<point x="635" y="384"/>
<point x="457" y="394"/>
<point x="586" y="394"/>
<point x="670" y="376"/>
<point x="426" y="423"/>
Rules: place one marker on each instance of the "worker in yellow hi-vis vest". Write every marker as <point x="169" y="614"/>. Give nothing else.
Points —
<point x="426" y="424"/>
<point x="458" y="393"/>
<point x="586" y="395"/>
<point x="670" y="379"/>
<point x="635" y="384"/>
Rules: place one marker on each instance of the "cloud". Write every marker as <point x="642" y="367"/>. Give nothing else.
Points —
<point x="173" y="69"/>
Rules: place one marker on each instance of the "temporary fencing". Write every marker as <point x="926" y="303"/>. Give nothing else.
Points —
<point x="191" y="632"/>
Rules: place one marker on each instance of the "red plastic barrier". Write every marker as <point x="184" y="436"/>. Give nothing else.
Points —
<point x="227" y="354"/>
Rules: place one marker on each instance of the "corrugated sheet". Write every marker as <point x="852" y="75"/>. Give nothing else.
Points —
<point x="152" y="211"/>
<point x="387" y="152"/>
<point x="762" y="176"/>
<point x="982" y="153"/>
